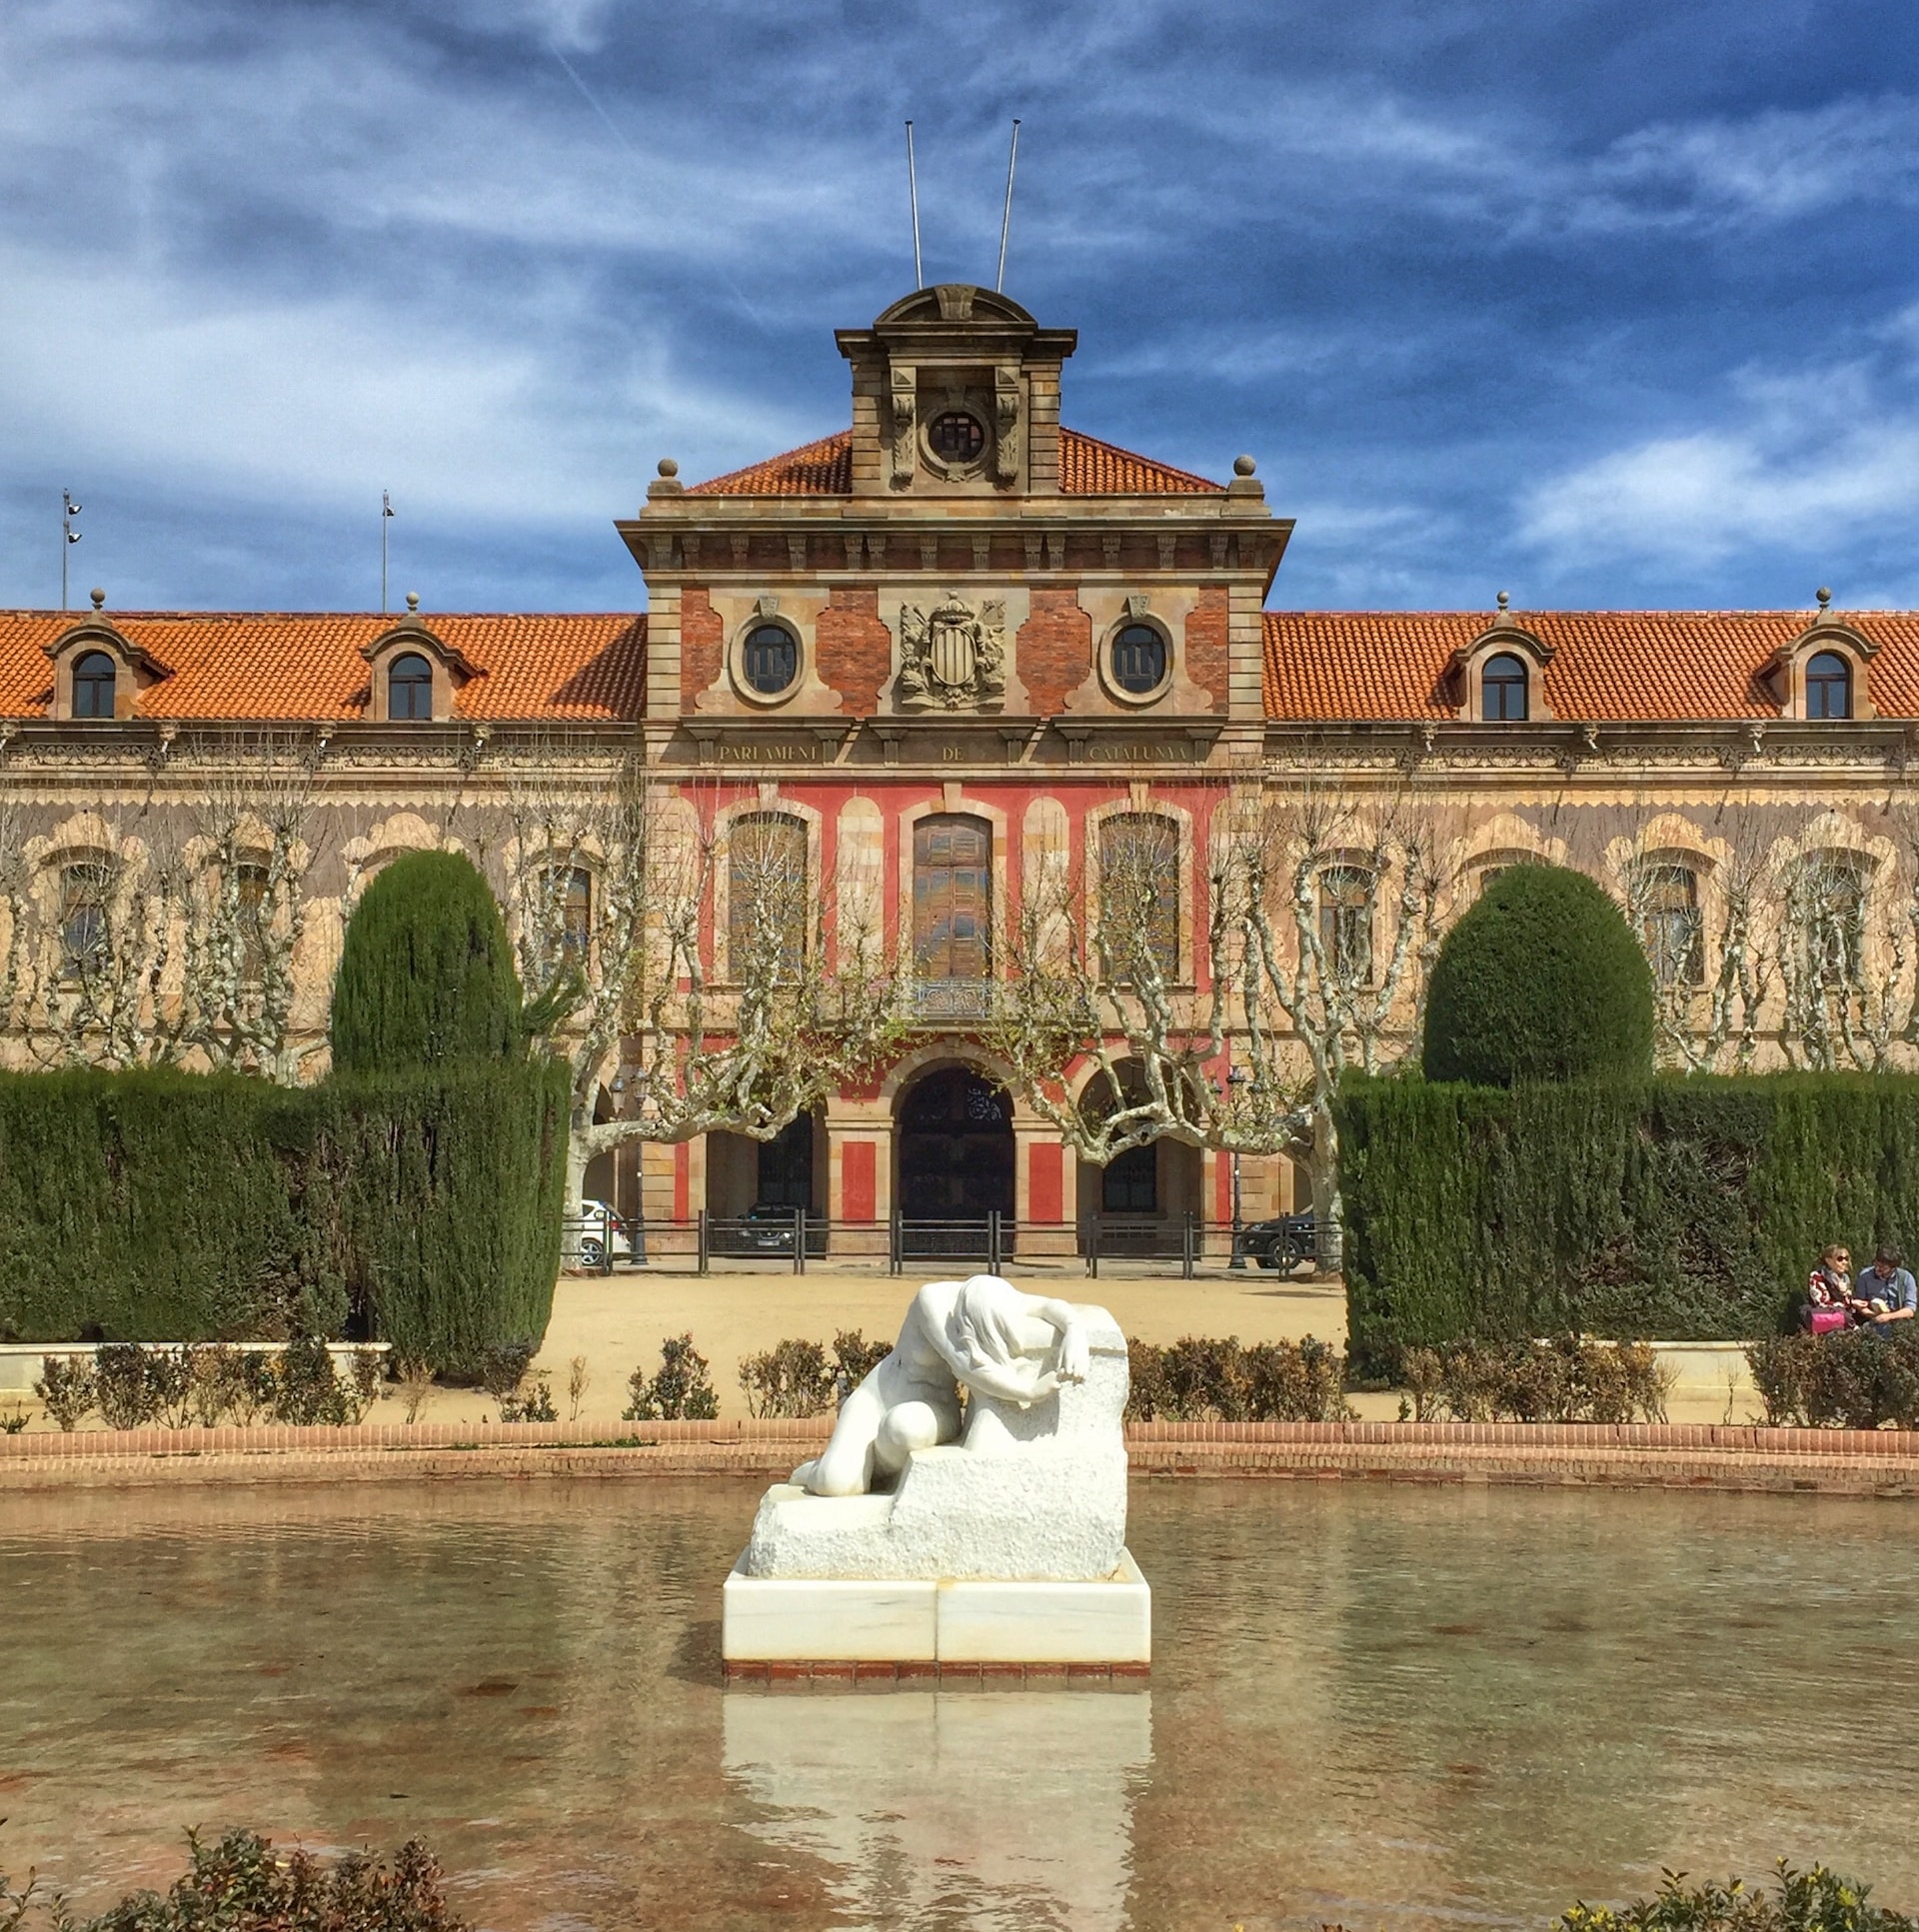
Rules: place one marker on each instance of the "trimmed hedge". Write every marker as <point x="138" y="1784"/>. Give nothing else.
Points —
<point x="1682" y="1207"/>
<point x="1541" y="980"/>
<point x="422" y="1209"/>
<point x="426" y="973"/>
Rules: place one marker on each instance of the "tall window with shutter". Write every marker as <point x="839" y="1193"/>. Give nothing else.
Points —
<point x="952" y="896"/>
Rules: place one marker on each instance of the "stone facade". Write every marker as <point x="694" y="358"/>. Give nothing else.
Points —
<point x="951" y="644"/>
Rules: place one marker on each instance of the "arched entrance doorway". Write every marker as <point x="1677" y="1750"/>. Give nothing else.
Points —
<point x="956" y="1147"/>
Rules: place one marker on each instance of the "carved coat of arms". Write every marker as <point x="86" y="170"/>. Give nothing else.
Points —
<point x="951" y="658"/>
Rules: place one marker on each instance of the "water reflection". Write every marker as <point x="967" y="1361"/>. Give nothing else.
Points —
<point x="994" y="1809"/>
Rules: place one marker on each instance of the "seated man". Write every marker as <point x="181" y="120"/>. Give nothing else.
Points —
<point x="1885" y="1292"/>
<point x="982" y="1332"/>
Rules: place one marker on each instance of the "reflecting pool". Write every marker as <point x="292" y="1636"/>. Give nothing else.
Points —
<point x="1383" y="1705"/>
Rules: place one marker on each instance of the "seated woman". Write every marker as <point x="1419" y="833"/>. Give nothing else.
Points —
<point x="983" y="1333"/>
<point x="1828" y="1302"/>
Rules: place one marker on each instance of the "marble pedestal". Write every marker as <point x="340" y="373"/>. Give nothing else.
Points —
<point x="945" y="1620"/>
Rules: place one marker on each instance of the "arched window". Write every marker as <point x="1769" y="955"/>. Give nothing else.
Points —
<point x="770" y="658"/>
<point x="1139" y="659"/>
<point x="567" y="906"/>
<point x="1140" y="895"/>
<point x="93" y="681"/>
<point x="1345" y="924"/>
<point x="1503" y="689"/>
<point x="1670" y="919"/>
<point x="85" y="889"/>
<point x="252" y="914"/>
<point x="766" y="908"/>
<point x="1831" y="915"/>
<point x="410" y="688"/>
<point x="1828" y="685"/>
<point x="952" y="896"/>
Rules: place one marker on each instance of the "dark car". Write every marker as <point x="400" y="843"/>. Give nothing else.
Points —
<point x="765" y="1228"/>
<point x="1283" y="1242"/>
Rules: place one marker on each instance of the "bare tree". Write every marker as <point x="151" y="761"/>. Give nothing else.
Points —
<point x="1845" y="946"/>
<point x="1335" y="913"/>
<point x="1093" y="976"/>
<point x="611" y="888"/>
<point x="1709" y="987"/>
<point x="1320" y="929"/>
<point x="245" y="907"/>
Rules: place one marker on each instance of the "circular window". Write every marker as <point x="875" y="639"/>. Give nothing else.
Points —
<point x="1139" y="659"/>
<point x="955" y="436"/>
<point x="770" y="658"/>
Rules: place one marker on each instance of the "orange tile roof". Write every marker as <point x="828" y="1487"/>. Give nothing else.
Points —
<point x="1643" y="665"/>
<point x="302" y="665"/>
<point x="1088" y="468"/>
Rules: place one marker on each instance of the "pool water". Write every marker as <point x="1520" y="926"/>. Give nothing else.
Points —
<point x="1384" y="1705"/>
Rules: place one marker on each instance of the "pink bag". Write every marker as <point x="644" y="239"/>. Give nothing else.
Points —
<point x="1822" y="1321"/>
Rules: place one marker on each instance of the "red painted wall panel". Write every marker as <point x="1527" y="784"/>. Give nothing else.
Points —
<point x="1047" y="1181"/>
<point x="857" y="1196"/>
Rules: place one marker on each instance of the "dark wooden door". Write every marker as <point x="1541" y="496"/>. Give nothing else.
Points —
<point x="952" y="897"/>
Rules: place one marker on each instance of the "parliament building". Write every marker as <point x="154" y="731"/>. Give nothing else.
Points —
<point x="956" y="641"/>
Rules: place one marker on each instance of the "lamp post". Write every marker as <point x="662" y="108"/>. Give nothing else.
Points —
<point x="386" y="517"/>
<point x="69" y="537"/>
<point x="1237" y="1077"/>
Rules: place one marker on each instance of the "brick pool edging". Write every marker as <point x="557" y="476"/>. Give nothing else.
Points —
<point x="1687" y="1455"/>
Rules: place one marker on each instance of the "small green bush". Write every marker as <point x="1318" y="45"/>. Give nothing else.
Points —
<point x="1569" y="1381"/>
<point x="682" y="1391"/>
<point x="796" y="1378"/>
<point x="425" y="974"/>
<point x="1808" y="1901"/>
<point x="1541" y="980"/>
<point x="241" y="1885"/>
<point x="1850" y="1380"/>
<point x="1209" y="1379"/>
<point x="66" y="1389"/>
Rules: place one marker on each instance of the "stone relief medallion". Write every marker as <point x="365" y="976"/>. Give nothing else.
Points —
<point x="953" y="656"/>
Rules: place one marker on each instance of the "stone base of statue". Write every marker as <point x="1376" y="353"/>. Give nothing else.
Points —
<point x="1001" y="1536"/>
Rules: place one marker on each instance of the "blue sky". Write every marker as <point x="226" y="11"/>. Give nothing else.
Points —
<point x="1614" y="303"/>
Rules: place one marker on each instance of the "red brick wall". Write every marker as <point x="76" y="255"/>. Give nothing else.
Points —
<point x="703" y="645"/>
<point x="1206" y="643"/>
<point x="855" y="649"/>
<point x="1056" y="650"/>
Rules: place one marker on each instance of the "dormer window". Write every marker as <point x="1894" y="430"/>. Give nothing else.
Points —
<point x="410" y="688"/>
<point x="1828" y="685"/>
<point x="1503" y="689"/>
<point x="94" y="676"/>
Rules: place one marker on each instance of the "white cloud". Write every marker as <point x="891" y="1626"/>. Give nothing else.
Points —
<point x="1824" y="460"/>
<point x="321" y="401"/>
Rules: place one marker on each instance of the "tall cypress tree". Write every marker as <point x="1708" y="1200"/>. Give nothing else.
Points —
<point x="425" y="974"/>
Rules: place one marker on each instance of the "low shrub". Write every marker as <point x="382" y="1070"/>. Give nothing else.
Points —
<point x="1808" y="1901"/>
<point x="1851" y="1381"/>
<point x="241" y="1885"/>
<point x="66" y="1389"/>
<point x="1196" y="1381"/>
<point x="209" y="1384"/>
<point x="532" y="1401"/>
<point x="1573" y="1379"/>
<point x="795" y="1378"/>
<point x="682" y="1391"/>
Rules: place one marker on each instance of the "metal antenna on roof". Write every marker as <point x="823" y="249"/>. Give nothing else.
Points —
<point x="912" y="195"/>
<point x="69" y="537"/>
<point x="1005" y="220"/>
<point x="386" y="517"/>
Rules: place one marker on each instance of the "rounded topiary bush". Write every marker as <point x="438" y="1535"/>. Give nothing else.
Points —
<point x="1541" y="981"/>
<point x="425" y="974"/>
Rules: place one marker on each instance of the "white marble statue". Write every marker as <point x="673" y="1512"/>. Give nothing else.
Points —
<point x="1026" y="1480"/>
<point x="983" y="1334"/>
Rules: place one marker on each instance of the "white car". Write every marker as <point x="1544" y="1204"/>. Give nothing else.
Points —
<point x="593" y="1232"/>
